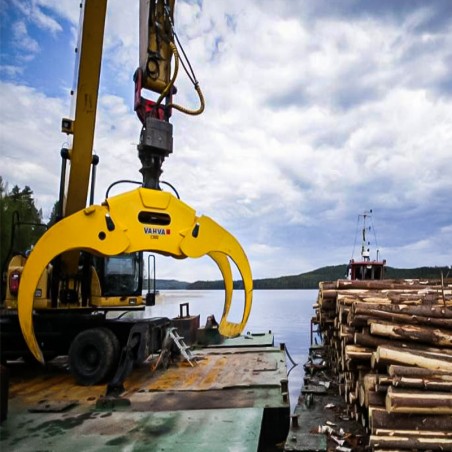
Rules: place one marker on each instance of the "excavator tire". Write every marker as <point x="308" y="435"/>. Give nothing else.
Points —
<point x="93" y="356"/>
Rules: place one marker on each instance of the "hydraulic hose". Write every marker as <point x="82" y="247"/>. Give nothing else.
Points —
<point x="168" y="87"/>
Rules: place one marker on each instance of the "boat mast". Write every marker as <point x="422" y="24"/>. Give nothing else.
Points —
<point x="365" y="268"/>
<point x="365" y="250"/>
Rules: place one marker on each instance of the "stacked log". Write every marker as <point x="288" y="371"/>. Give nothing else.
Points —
<point x="389" y="343"/>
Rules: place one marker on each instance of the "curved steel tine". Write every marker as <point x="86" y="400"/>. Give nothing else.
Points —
<point x="79" y="231"/>
<point x="214" y="240"/>
<point x="227" y="328"/>
<point x="223" y="264"/>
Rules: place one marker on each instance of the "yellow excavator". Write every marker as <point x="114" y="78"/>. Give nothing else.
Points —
<point x="90" y="262"/>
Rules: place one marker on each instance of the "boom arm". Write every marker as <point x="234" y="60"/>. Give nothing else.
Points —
<point x="155" y="63"/>
<point x="73" y="196"/>
<point x="82" y="127"/>
<point x="156" y="35"/>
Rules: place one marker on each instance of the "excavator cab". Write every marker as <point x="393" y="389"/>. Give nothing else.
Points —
<point x="119" y="276"/>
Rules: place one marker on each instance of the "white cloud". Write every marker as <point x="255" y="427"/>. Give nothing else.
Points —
<point x="44" y="21"/>
<point x="11" y="71"/>
<point x="435" y="249"/>
<point x="66" y="9"/>
<point x="22" y="40"/>
<point x="31" y="141"/>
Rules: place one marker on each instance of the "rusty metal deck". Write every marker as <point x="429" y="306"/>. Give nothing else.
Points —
<point x="321" y="421"/>
<point x="231" y="400"/>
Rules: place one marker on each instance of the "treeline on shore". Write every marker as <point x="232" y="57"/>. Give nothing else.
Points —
<point x="309" y="280"/>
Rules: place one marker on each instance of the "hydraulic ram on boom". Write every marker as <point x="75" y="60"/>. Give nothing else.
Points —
<point x="123" y="224"/>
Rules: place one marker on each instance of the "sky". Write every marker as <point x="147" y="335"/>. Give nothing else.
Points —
<point x="316" y="112"/>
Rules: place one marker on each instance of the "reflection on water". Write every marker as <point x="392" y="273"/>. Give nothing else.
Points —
<point x="287" y="313"/>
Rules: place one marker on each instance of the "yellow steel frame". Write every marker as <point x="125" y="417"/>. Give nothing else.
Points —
<point x="83" y="126"/>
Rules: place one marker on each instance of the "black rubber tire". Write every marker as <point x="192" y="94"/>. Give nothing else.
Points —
<point x="93" y="356"/>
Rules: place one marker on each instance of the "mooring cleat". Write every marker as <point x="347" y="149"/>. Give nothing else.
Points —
<point x="138" y="220"/>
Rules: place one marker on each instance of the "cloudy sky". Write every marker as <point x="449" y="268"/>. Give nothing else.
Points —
<point x="316" y="112"/>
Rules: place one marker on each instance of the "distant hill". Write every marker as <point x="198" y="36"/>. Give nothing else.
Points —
<point x="170" y="284"/>
<point x="420" y="272"/>
<point x="309" y="280"/>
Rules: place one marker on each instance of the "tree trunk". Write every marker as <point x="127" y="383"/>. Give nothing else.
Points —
<point x="413" y="372"/>
<point x="430" y="384"/>
<point x="422" y="402"/>
<point x="393" y="355"/>
<point x="437" y="311"/>
<point x="410" y="443"/>
<point x="379" y="418"/>
<point x="411" y="332"/>
<point x="405" y="318"/>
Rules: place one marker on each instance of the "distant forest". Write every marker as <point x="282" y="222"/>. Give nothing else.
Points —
<point x="309" y="280"/>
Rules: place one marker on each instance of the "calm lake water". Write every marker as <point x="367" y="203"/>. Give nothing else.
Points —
<point x="287" y="313"/>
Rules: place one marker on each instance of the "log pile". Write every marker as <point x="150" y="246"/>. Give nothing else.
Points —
<point x="390" y="345"/>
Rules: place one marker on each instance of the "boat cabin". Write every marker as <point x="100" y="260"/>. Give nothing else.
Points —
<point x="366" y="269"/>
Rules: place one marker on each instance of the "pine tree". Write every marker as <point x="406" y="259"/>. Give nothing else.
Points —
<point x="55" y="214"/>
<point x="21" y="221"/>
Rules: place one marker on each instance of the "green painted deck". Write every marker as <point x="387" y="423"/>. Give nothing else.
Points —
<point x="232" y="400"/>
<point x="175" y="431"/>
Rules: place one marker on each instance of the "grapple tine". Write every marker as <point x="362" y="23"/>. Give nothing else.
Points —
<point x="219" y="244"/>
<point x="226" y="327"/>
<point x="225" y="267"/>
<point x="29" y="281"/>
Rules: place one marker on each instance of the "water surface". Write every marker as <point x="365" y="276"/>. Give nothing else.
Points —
<point x="286" y="313"/>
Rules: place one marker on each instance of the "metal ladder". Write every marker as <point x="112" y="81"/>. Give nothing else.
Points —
<point x="182" y="346"/>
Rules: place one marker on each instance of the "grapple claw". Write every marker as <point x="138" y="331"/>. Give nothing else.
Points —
<point x="79" y="231"/>
<point x="219" y="244"/>
<point x="226" y="327"/>
<point x="139" y="220"/>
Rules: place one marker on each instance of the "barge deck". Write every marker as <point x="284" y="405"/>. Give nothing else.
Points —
<point x="234" y="398"/>
<point x="322" y="420"/>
